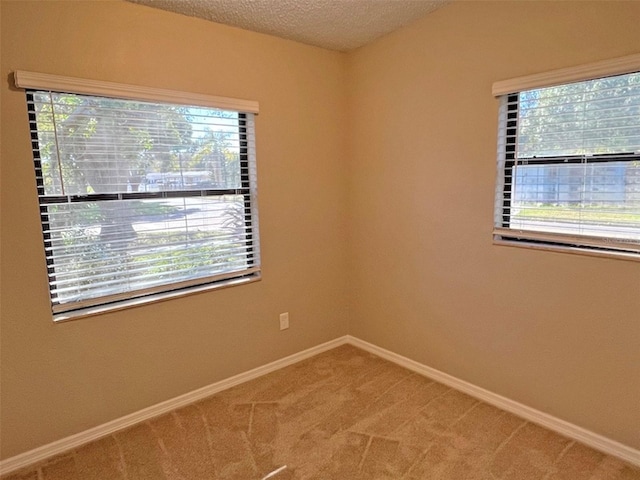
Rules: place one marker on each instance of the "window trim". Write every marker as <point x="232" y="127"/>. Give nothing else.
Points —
<point x="33" y="82"/>
<point x="507" y="137"/>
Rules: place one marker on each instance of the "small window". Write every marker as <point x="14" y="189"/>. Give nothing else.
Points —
<point x="569" y="166"/>
<point x="141" y="198"/>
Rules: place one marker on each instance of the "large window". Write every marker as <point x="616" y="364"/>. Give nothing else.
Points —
<point x="569" y="166"/>
<point x="139" y="198"/>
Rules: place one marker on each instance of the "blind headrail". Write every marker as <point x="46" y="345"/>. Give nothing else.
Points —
<point x="58" y="83"/>
<point x="605" y="68"/>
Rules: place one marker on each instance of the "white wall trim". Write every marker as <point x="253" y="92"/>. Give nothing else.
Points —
<point x="574" y="432"/>
<point x="562" y="427"/>
<point x="74" y="441"/>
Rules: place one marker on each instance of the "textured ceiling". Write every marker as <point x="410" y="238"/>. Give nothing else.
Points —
<point x="334" y="24"/>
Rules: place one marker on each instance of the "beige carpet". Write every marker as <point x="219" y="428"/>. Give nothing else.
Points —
<point x="344" y="414"/>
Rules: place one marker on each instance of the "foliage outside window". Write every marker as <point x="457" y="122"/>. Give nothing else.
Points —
<point x="140" y="198"/>
<point x="569" y="166"/>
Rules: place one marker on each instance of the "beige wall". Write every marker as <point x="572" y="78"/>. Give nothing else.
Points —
<point x="557" y="332"/>
<point x="61" y="379"/>
<point x="402" y="207"/>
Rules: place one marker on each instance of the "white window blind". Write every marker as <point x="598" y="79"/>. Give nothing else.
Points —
<point x="139" y="198"/>
<point x="569" y="165"/>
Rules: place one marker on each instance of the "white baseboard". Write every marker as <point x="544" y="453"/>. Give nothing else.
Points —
<point x="74" y="441"/>
<point x="567" y="429"/>
<point x="562" y="427"/>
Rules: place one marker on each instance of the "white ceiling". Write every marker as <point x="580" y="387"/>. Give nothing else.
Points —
<point x="334" y="24"/>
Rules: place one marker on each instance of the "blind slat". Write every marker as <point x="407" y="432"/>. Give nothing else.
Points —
<point x="58" y="308"/>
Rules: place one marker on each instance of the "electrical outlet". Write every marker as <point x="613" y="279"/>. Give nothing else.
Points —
<point x="284" y="321"/>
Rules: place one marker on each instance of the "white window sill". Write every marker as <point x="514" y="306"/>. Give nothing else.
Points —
<point x="568" y="249"/>
<point x="149" y="299"/>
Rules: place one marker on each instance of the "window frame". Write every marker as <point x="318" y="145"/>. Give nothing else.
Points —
<point x="37" y="82"/>
<point x="509" y="91"/>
